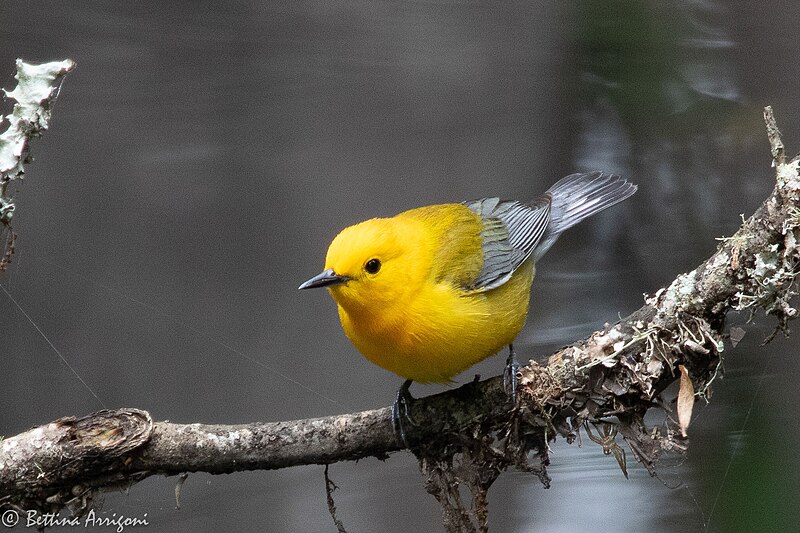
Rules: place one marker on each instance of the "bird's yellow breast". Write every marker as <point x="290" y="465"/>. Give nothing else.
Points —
<point x="418" y="317"/>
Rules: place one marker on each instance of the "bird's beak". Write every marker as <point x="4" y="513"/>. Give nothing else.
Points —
<point x="324" y="279"/>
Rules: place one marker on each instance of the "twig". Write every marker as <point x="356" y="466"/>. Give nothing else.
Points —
<point x="774" y="136"/>
<point x="179" y="487"/>
<point x="330" y="486"/>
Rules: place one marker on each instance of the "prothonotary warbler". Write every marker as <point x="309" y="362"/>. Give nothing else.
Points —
<point x="431" y="291"/>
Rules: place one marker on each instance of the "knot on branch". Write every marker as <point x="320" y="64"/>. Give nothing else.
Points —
<point x="53" y="463"/>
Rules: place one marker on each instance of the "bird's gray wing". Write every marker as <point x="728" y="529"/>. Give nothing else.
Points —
<point x="511" y="231"/>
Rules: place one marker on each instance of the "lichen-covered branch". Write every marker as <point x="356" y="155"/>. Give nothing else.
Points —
<point x="36" y="92"/>
<point x="467" y="436"/>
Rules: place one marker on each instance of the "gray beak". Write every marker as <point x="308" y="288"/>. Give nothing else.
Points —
<point x="324" y="279"/>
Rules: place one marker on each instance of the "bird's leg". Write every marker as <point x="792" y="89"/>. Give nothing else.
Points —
<point x="401" y="411"/>
<point x="510" y="373"/>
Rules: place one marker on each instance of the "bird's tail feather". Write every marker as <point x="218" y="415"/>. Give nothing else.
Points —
<point x="578" y="196"/>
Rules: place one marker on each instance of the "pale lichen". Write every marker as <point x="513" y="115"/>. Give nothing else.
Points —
<point x="35" y="93"/>
<point x="36" y="90"/>
<point x="772" y="277"/>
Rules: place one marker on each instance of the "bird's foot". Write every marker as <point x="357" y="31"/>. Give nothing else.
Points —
<point x="510" y="374"/>
<point x="401" y="412"/>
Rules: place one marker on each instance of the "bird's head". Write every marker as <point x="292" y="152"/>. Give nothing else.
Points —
<point x="377" y="262"/>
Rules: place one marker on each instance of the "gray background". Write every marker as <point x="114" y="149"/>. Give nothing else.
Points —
<point x="203" y="155"/>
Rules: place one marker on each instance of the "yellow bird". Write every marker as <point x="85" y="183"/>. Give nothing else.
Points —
<point x="428" y="293"/>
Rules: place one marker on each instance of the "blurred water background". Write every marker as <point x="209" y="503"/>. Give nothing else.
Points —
<point x="203" y="155"/>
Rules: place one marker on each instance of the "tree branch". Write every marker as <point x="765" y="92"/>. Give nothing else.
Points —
<point x="469" y="435"/>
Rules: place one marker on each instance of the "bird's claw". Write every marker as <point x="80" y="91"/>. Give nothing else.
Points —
<point x="401" y="411"/>
<point x="510" y="374"/>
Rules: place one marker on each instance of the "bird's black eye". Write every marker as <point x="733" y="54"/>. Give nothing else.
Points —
<point x="373" y="266"/>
